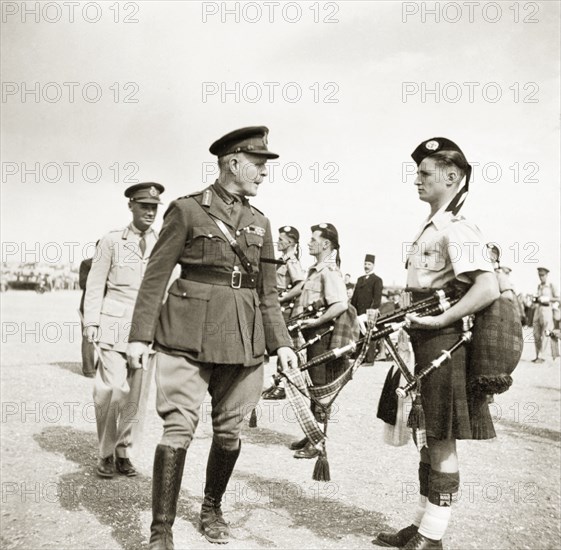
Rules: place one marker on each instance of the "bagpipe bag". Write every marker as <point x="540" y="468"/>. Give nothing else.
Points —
<point x="496" y="347"/>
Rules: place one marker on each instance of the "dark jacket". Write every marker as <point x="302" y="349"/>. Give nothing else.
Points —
<point x="367" y="293"/>
<point x="210" y="323"/>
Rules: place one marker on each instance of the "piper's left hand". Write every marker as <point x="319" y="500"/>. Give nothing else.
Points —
<point x="286" y="359"/>
<point x="430" y="322"/>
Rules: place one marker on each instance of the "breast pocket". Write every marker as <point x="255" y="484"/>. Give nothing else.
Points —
<point x="254" y="245"/>
<point x="126" y="274"/>
<point x="430" y="270"/>
<point x="207" y="245"/>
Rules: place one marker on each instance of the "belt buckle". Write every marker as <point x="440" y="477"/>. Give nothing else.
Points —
<point x="236" y="281"/>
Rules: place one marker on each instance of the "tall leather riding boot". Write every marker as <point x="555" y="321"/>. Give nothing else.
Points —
<point x="219" y="468"/>
<point x="166" y="482"/>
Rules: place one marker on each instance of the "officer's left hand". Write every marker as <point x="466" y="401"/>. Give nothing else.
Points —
<point x="286" y="359"/>
<point x="430" y="322"/>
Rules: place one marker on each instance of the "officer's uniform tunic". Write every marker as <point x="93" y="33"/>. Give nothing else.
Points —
<point x="446" y="248"/>
<point x="208" y="335"/>
<point x="112" y="286"/>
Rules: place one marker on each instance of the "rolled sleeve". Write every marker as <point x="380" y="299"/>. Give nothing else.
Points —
<point x="334" y="289"/>
<point x="466" y="249"/>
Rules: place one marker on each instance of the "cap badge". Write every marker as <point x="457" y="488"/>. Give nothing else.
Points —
<point x="432" y="145"/>
<point x="287" y="228"/>
<point x="153" y="191"/>
<point x="323" y="225"/>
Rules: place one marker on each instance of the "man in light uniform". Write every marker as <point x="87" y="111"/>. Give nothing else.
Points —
<point x="111" y="289"/>
<point x="440" y="255"/>
<point x="545" y="297"/>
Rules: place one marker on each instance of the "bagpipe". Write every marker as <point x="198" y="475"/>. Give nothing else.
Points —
<point x="386" y="325"/>
<point x="313" y="311"/>
<point x="299" y="389"/>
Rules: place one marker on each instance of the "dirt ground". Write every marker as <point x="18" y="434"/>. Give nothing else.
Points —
<point x="51" y="498"/>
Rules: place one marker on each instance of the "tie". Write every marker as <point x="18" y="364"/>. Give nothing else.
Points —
<point x="142" y="244"/>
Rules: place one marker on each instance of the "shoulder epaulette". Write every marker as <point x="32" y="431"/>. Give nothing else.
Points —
<point x="255" y="208"/>
<point x="190" y="195"/>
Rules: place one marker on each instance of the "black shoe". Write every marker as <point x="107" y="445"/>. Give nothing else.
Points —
<point x="212" y="523"/>
<point x="420" y="542"/>
<point x="309" y="451"/>
<point x="106" y="467"/>
<point x="219" y="469"/>
<point x="125" y="467"/>
<point x="166" y="483"/>
<point x="276" y="393"/>
<point x="297" y="445"/>
<point x="396" y="540"/>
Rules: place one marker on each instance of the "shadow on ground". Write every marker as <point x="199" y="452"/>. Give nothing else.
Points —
<point x="315" y="508"/>
<point x="74" y="368"/>
<point x="116" y="502"/>
<point x="119" y="502"/>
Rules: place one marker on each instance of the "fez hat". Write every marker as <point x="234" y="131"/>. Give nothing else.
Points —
<point x="369" y="258"/>
<point x="251" y="140"/>
<point x="148" y="192"/>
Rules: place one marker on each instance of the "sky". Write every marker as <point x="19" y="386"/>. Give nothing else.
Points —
<point x="112" y="94"/>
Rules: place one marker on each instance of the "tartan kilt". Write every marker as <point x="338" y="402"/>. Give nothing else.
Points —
<point x="450" y="412"/>
<point x="327" y="372"/>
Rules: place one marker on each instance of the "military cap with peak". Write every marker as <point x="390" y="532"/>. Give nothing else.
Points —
<point x="291" y="232"/>
<point x="328" y="231"/>
<point x="543" y="269"/>
<point x="251" y="140"/>
<point x="148" y="192"/>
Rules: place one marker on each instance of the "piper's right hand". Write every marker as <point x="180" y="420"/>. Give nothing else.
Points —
<point x="135" y="352"/>
<point x="92" y="333"/>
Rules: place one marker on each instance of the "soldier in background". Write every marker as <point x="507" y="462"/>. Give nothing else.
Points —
<point x="111" y="290"/>
<point x="545" y="297"/>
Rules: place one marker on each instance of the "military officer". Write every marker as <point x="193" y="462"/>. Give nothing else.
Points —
<point x="546" y="295"/>
<point x="213" y="329"/>
<point x="432" y="263"/>
<point x="112" y="285"/>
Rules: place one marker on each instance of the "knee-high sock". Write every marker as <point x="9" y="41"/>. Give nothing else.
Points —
<point x="424" y="477"/>
<point x="443" y="488"/>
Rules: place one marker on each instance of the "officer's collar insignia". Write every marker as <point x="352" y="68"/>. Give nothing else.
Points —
<point x="153" y="192"/>
<point x="432" y="145"/>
